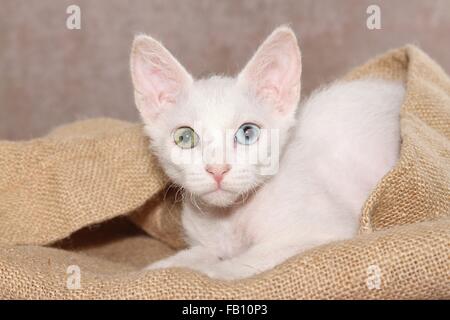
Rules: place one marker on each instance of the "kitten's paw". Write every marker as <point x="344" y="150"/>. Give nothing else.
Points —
<point x="161" y="264"/>
<point x="221" y="272"/>
<point x="216" y="274"/>
<point x="195" y="259"/>
<point x="173" y="263"/>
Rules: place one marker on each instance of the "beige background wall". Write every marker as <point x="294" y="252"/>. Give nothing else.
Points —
<point x="50" y="75"/>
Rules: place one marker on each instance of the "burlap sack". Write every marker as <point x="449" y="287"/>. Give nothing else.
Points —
<point x="101" y="171"/>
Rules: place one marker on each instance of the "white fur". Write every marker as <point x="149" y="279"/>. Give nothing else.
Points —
<point x="342" y="141"/>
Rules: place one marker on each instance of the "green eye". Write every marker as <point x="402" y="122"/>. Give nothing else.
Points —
<point x="248" y="133"/>
<point x="185" y="138"/>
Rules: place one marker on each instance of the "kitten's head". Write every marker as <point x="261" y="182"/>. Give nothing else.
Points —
<point x="219" y="138"/>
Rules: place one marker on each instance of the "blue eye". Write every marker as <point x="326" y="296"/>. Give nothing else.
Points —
<point x="248" y="133"/>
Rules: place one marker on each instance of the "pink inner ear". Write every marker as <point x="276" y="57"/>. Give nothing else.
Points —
<point x="270" y="80"/>
<point x="157" y="76"/>
<point x="274" y="72"/>
<point x="158" y="85"/>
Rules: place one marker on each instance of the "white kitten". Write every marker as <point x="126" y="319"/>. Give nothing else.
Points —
<point x="219" y="139"/>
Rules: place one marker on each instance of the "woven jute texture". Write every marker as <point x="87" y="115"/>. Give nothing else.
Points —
<point x="83" y="195"/>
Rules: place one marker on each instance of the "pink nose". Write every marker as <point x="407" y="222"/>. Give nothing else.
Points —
<point x="218" y="170"/>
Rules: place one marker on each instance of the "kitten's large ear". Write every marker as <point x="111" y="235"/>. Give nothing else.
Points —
<point x="158" y="78"/>
<point x="273" y="73"/>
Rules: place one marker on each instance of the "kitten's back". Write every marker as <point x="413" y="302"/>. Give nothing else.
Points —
<point x="356" y="127"/>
